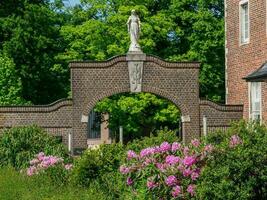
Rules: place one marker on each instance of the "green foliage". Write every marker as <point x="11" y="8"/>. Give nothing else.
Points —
<point x="98" y="163"/>
<point x="10" y="83"/>
<point x="42" y="36"/>
<point x="139" y="114"/>
<point x="161" y="136"/>
<point x="94" y="163"/>
<point x="16" y="185"/>
<point x="191" y="30"/>
<point x="57" y="175"/>
<point x="29" y="34"/>
<point x="20" y="144"/>
<point x="239" y="172"/>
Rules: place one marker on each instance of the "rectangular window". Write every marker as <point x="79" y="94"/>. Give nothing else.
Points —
<point x="94" y="125"/>
<point x="244" y="22"/>
<point x="255" y="101"/>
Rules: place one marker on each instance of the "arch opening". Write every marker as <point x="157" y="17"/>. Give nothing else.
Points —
<point x="139" y="114"/>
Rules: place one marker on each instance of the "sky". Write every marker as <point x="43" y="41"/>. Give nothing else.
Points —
<point x="71" y="2"/>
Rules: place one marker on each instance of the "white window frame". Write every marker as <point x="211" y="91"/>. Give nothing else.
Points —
<point x="251" y="116"/>
<point x="246" y="41"/>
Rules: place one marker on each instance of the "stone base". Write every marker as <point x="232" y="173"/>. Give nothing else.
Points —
<point x="135" y="56"/>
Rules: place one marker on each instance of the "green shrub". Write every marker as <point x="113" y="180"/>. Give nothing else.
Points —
<point x="20" y="144"/>
<point x="237" y="172"/>
<point x="161" y="136"/>
<point x="96" y="162"/>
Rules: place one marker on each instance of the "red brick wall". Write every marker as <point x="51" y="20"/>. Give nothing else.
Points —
<point x="55" y="118"/>
<point x="243" y="59"/>
<point x="93" y="81"/>
<point x="219" y="117"/>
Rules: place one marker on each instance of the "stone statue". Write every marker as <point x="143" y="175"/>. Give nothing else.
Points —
<point x="134" y="28"/>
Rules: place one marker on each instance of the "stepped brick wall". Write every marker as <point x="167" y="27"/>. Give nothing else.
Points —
<point x="56" y="118"/>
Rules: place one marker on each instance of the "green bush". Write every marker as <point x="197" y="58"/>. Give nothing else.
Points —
<point x="238" y="172"/>
<point x="20" y="144"/>
<point x="99" y="167"/>
<point x="161" y="136"/>
<point x="96" y="162"/>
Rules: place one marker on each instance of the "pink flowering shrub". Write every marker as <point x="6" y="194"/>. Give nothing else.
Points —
<point x="169" y="170"/>
<point x="52" y="166"/>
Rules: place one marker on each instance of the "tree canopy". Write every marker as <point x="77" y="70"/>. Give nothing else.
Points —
<point x="176" y="30"/>
<point x="39" y="37"/>
<point x="42" y="36"/>
<point x="29" y="34"/>
<point x="139" y="114"/>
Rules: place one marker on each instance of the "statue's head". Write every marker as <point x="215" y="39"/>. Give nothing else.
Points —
<point x="133" y="12"/>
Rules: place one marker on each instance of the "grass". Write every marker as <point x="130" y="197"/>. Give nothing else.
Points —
<point x="17" y="186"/>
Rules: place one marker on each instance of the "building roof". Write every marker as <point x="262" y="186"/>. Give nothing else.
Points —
<point x="258" y="75"/>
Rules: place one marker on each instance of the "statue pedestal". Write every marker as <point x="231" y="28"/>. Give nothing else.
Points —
<point x="135" y="56"/>
<point x="135" y="61"/>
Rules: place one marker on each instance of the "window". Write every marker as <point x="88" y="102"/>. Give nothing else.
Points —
<point x="94" y="125"/>
<point x="244" y="22"/>
<point x="255" y="101"/>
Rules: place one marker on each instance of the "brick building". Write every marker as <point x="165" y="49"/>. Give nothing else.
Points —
<point x="246" y="56"/>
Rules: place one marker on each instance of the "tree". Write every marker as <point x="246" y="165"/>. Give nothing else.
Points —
<point x="10" y="84"/>
<point x="140" y="114"/>
<point x="31" y="38"/>
<point x="176" y="30"/>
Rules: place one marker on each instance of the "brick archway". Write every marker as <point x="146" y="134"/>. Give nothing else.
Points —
<point x="101" y="95"/>
<point x="175" y="81"/>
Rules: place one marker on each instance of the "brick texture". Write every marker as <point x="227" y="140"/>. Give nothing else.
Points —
<point x="93" y="81"/>
<point x="56" y="118"/>
<point x="219" y="117"/>
<point x="244" y="59"/>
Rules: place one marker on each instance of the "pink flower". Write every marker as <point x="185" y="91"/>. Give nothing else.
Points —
<point x="189" y="160"/>
<point x="160" y="166"/>
<point x="187" y="172"/>
<point x="44" y="165"/>
<point x="151" y="184"/>
<point x="165" y="146"/>
<point x="53" y="160"/>
<point x="176" y="146"/>
<point x="186" y="151"/>
<point x="234" y="141"/>
<point x="34" y="161"/>
<point x="40" y="156"/>
<point x="68" y="166"/>
<point x="176" y="191"/>
<point x="195" y="142"/>
<point x="172" y="160"/>
<point x="124" y="169"/>
<point x="131" y="154"/>
<point x="194" y="175"/>
<point x="191" y="189"/>
<point x="171" y="180"/>
<point x="147" y="162"/>
<point x="208" y="148"/>
<point x="181" y="168"/>
<point x="129" y="181"/>
<point x="146" y="152"/>
<point x="31" y="171"/>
